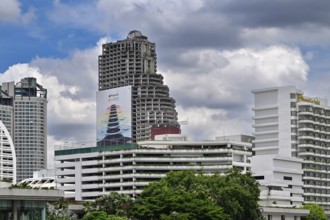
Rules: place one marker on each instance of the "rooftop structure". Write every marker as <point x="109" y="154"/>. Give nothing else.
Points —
<point x="41" y="183"/>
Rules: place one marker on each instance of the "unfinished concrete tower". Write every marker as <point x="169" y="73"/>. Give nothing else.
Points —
<point x="133" y="61"/>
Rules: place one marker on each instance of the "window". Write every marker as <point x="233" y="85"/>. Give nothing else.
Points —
<point x="259" y="177"/>
<point x="293" y="137"/>
<point x="282" y="217"/>
<point x="287" y="178"/>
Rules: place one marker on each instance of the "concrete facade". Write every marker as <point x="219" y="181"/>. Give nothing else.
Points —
<point x="133" y="61"/>
<point x="87" y="173"/>
<point x="7" y="156"/>
<point x="288" y="123"/>
<point x="280" y="180"/>
<point x="26" y="120"/>
<point x="27" y="204"/>
<point x="275" y="213"/>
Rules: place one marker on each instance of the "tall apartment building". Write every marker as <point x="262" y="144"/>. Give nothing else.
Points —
<point x="133" y="62"/>
<point x="23" y="110"/>
<point x="289" y="124"/>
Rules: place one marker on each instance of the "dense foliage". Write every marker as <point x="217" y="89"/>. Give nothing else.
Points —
<point x="185" y="195"/>
<point x="101" y="215"/>
<point x="111" y="205"/>
<point x="316" y="212"/>
<point x="59" y="210"/>
<point x="24" y="185"/>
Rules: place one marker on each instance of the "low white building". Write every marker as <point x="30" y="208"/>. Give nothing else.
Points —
<point x="85" y="173"/>
<point x="280" y="180"/>
<point x="277" y="213"/>
<point x="17" y="204"/>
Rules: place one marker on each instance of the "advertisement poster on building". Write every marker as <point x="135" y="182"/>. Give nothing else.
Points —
<point x="114" y="116"/>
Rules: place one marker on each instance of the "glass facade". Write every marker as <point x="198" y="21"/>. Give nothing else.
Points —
<point x="25" y="210"/>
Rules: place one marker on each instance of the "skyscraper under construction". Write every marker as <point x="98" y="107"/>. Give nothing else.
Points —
<point x="133" y="62"/>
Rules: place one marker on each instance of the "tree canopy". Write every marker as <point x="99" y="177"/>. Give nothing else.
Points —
<point x="59" y="210"/>
<point x="113" y="206"/>
<point x="316" y="212"/>
<point x="186" y="195"/>
<point x="101" y="215"/>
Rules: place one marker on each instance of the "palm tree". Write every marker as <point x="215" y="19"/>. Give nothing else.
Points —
<point x="61" y="204"/>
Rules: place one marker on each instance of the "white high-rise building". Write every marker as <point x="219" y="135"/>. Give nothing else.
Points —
<point x="289" y="124"/>
<point x="23" y="110"/>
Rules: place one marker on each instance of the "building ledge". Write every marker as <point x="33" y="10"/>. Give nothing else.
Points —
<point x="286" y="211"/>
<point x="31" y="194"/>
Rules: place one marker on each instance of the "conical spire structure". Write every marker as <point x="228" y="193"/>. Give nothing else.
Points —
<point x="113" y="132"/>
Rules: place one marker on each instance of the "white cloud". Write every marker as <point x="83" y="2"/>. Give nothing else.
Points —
<point x="119" y="16"/>
<point x="71" y="84"/>
<point x="226" y="76"/>
<point x="80" y="70"/>
<point x="162" y="13"/>
<point x="61" y="109"/>
<point x="9" y="10"/>
<point x="214" y="89"/>
<point x="308" y="34"/>
<point x="206" y="123"/>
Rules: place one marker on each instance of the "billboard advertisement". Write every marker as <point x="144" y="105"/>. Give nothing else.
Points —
<point x="114" y="116"/>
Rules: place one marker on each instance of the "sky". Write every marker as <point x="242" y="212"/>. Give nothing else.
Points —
<point x="211" y="53"/>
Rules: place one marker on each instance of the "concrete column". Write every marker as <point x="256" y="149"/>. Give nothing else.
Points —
<point x="43" y="212"/>
<point x="14" y="204"/>
<point x="78" y="179"/>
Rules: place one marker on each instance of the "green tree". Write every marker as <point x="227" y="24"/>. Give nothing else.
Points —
<point x="62" y="204"/>
<point x="186" y="195"/>
<point x="59" y="210"/>
<point x="95" y="215"/>
<point x="316" y="212"/>
<point x="236" y="193"/>
<point x="89" y="206"/>
<point x="101" y="215"/>
<point x="114" y="204"/>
